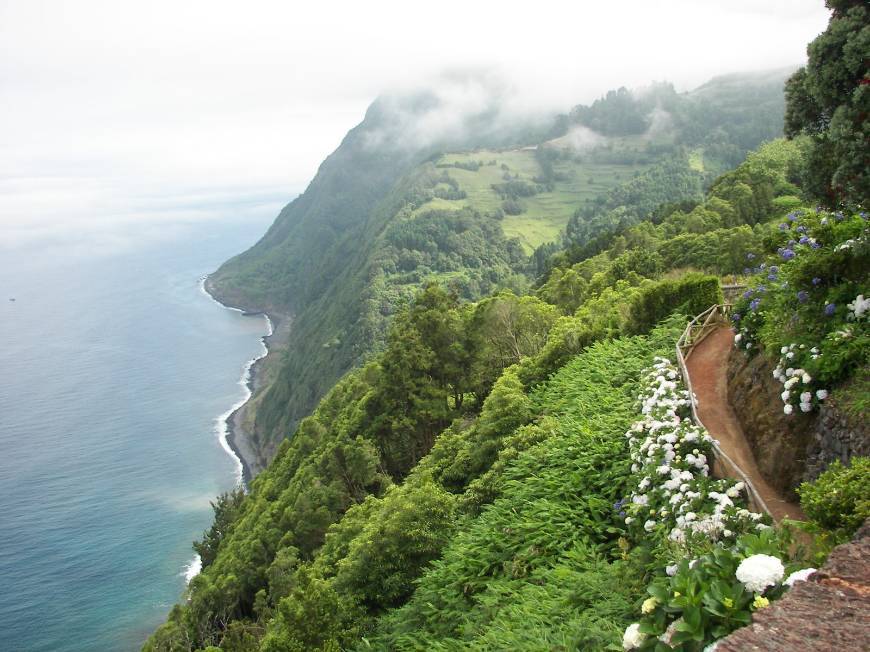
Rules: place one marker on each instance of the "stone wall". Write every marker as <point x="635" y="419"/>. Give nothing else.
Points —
<point x="789" y="449"/>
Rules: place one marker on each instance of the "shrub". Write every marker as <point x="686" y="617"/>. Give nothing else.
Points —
<point x="840" y="498"/>
<point x="696" y="292"/>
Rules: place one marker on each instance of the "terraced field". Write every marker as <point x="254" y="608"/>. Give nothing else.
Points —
<point x="546" y="213"/>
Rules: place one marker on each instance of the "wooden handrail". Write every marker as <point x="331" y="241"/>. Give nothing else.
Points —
<point x="686" y="343"/>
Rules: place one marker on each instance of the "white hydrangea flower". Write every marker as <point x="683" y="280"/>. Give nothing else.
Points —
<point x="649" y="526"/>
<point x="806" y="397"/>
<point x="671" y="570"/>
<point x="632" y="638"/>
<point x="788" y="409"/>
<point x="806" y="407"/>
<point x="822" y="394"/>
<point x="858" y="307"/>
<point x="799" y="576"/>
<point x="759" y="572"/>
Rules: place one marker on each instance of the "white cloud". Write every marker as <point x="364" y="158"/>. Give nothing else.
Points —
<point x="114" y="96"/>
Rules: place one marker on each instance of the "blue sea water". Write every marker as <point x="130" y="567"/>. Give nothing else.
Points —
<point x="113" y="370"/>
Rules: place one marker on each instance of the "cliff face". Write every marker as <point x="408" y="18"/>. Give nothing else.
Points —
<point x="795" y="448"/>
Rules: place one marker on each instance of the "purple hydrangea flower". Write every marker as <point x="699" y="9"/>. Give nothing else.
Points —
<point x="839" y="216"/>
<point x="787" y="254"/>
<point x="753" y="305"/>
<point x="792" y="216"/>
<point x="804" y="239"/>
<point x="801" y="229"/>
<point x="802" y="296"/>
<point x="783" y="227"/>
<point x="830" y="308"/>
<point x="815" y="245"/>
<point x="816" y="280"/>
<point x="735" y="316"/>
<point x="746" y="271"/>
<point x="750" y="256"/>
<point x="792" y="243"/>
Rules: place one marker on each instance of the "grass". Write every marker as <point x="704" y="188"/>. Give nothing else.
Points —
<point x="546" y="213"/>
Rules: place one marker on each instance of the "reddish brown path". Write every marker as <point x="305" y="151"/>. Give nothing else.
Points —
<point x="707" y="366"/>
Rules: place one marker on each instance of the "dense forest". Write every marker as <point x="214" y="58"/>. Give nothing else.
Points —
<point x="506" y="461"/>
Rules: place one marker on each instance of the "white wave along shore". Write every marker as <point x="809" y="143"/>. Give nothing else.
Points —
<point x="221" y="426"/>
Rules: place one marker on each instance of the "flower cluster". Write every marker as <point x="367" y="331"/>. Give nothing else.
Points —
<point x="671" y="458"/>
<point x="759" y="572"/>
<point x="700" y="601"/>
<point x="791" y="377"/>
<point x="808" y="301"/>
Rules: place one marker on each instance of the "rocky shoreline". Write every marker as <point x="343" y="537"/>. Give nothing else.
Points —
<point x="240" y="440"/>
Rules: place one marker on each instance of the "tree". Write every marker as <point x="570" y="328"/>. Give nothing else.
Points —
<point x="829" y="100"/>
<point x="227" y="509"/>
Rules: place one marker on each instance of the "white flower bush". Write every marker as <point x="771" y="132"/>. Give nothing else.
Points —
<point x="671" y="457"/>
<point x="698" y="523"/>
<point x="759" y="572"/>
<point x="796" y="382"/>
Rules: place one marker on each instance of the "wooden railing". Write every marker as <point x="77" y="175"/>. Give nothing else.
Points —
<point x="700" y="327"/>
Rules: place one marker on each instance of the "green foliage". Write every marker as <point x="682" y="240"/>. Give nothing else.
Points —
<point x="390" y="551"/>
<point x="619" y="113"/>
<point x="839" y="499"/>
<point x="227" y="510"/>
<point x="692" y="294"/>
<point x="538" y="555"/>
<point x="829" y="100"/>
<point x="624" y="206"/>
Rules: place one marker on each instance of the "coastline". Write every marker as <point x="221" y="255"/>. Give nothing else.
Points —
<point x="230" y="424"/>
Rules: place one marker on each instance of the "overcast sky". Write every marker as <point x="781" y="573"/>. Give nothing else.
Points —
<point x="115" y="111"/>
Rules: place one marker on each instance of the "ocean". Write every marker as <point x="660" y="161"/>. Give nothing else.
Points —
<point x="115" y="372"/>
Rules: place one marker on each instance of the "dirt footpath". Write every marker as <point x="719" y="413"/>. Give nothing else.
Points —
<point x="707" y="366"/>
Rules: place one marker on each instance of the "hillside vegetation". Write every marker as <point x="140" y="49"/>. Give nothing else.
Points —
<point x="383" y="217"/>
<point x="514" y="468"/>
